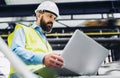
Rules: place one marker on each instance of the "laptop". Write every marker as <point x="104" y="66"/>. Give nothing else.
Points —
<point x="82" y="56"/>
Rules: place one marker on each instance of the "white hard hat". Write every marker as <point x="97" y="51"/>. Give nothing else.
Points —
<point x="48" y="6"/>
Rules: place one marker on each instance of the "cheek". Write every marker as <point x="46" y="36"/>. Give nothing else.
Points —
<point x="46" y="20"/>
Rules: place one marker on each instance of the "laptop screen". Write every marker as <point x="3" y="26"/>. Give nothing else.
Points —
<point x="83" y="55"/>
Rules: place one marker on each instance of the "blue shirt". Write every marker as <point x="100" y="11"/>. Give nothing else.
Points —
<point x="18" y="46"/>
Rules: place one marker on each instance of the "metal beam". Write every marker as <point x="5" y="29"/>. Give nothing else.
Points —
<point x="71" y="8"/>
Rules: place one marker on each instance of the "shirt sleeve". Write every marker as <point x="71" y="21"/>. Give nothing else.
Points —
<point x="18" y="46"/>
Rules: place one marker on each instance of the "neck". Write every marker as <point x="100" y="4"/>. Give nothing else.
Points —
<point x="38" y="24"/>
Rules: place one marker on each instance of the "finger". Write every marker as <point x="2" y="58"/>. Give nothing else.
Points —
<point x="52" y="63"/>
<point x="55" y="63"/>
<point x="58" y="57"/>
<point x="59" y="63"/>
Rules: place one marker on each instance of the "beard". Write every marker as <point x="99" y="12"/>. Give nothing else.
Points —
<point x="46" y="26"/>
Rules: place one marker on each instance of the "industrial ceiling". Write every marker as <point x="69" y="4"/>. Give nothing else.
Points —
<point x="23" y="10"/>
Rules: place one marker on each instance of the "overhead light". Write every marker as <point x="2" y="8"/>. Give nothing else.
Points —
<point x="16" y="2"/>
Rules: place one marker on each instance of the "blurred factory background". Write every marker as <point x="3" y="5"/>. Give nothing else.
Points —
<point x="99" y="19"/>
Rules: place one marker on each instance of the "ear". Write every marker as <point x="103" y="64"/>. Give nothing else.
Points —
<point x="39" y="15"/>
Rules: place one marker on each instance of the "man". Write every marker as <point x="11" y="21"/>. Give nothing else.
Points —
<point x="30" y="43"/>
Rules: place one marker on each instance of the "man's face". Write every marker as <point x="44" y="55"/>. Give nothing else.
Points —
<point x="46" y="22"/>
<point x="46" y="26"/>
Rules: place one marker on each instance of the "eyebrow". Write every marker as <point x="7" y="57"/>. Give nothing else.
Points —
<point x="49" y="12"/>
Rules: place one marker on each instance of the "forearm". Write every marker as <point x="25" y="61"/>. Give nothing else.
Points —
<point x="29" y="57"/>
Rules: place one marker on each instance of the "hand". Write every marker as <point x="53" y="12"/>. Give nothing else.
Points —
<point x="53" y="60"/>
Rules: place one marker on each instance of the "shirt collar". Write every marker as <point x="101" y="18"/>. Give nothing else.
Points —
<point x="35" y="26"/>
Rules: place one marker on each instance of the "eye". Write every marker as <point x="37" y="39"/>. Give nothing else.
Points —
<point x="52" y="16"/>
<point x="55" y="18"/>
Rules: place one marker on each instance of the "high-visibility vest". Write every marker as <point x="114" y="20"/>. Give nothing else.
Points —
<point x="34" y="43"/>
<point x="10" y="36"/>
